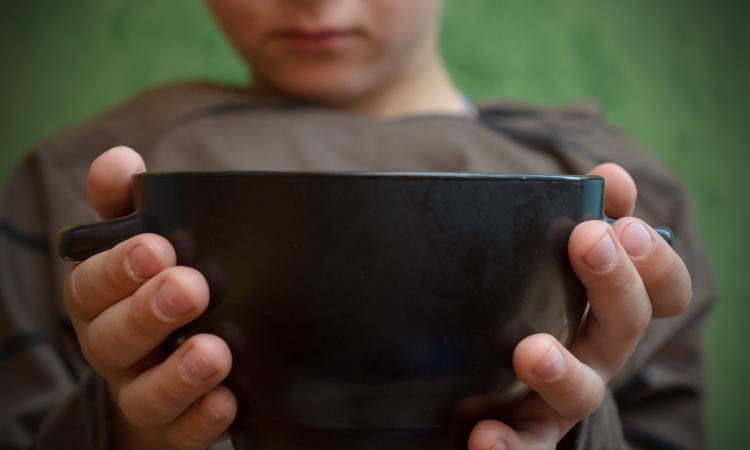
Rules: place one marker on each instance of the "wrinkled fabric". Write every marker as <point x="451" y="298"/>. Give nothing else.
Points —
<point x="51" y="398"/>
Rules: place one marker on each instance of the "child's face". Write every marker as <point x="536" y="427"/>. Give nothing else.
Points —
<point x="331" y="51"/>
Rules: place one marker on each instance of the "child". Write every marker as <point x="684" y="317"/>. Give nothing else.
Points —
<point x="337" y="85"/>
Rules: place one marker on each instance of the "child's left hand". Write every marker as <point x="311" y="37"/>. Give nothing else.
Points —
<point x="631" y="275"/>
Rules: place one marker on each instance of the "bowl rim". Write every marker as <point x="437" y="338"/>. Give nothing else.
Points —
<point x="370" y="174"/>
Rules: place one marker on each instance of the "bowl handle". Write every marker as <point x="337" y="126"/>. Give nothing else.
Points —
<point x="79" y="242"/>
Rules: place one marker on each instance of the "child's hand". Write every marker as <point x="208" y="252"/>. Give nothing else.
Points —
<point x="631" y="275"/>
<point x="123" y="303"/>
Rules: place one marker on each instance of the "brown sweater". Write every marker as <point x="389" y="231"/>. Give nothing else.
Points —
<point x="50" y="397"/>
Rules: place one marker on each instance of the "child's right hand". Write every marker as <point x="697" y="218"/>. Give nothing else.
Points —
<point x="123" y="303"/>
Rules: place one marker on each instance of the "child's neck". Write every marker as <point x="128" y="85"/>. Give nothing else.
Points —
<point x="423" y="87"/>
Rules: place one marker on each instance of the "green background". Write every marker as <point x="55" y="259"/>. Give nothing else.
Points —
<point x="672" y="73"/>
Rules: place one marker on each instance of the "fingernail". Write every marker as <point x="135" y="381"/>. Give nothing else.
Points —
<point x="635" y="239"/>
<point x="602" y="256"/>
<point x="195" y="366"/>
<point x="500" y="445"/>
<point x="551" y="367"/>
<point x="170" y="300"/>
<point x="141" y="262"/>
<point x="209" y="414"/>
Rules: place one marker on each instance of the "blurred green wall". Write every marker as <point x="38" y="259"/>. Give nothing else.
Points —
<point x="672" y="73"/>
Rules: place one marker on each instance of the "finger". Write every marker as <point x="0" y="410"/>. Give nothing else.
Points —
<point x="95" y="284"/>
<point x="205" y="421"/>
<point x="570" y="388"/>
<point x="495" y="435"/>
<point x="109" y="181"/>
<point x="163" y="392"/>
<point x="620" y="306"/>
<point x="663" y="272"/>
<point x="620" y="191"/>
<point x="130" y="329"/>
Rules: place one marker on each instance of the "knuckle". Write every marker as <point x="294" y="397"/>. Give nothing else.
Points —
<point x="168" y="395"/>
<point x="586" y="404"/>
<point x="148" y="406"/>
<point x="619" y="287"/>
<point x="675" y="303"/>
<point x="669" y="281"/>
<point x="113" y="273"/>
<point x="88" y="355"/>
<point x="133" y="411"/>
<point x="178" y="440"/>
<point x="196" y="431"/>
<point x="664" y="269"/>
<point x="72" y="293"/>
<point x="632" y="328"/>
<point x="187" y="437"/>
<point x="565" y="387"/>
<point x="621" y="279"/>
<point x="141" y="319"/>
<point x="94" y="351"/>
<point x="578" y="393"/>
<point x="684" y="300"/>
<point x="610" y="364"/>
<point x="132" y="414"/>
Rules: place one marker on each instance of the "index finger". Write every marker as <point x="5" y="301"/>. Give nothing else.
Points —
<point x="105" y="278"/>
<point x="620" y="191"/>
<point x="109" y="181"/>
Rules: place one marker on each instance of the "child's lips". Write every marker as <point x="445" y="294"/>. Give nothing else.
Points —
<point x="316" y="41"/>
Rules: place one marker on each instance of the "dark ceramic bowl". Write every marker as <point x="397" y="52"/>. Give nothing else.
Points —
<point x="367" y="310"/>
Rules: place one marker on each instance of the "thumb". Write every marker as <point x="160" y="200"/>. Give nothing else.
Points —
<point x="109" y="182"/>
<point x="620" y="191"/>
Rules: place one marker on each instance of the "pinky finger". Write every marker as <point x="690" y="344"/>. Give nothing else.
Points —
<point x="572" y="389"/>
<point x="494" y="435"/>
<point x="203" y="423"/>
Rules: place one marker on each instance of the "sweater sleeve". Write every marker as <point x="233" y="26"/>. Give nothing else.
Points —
<point x="50" y="398"/>
<point x="87" y="410"/>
